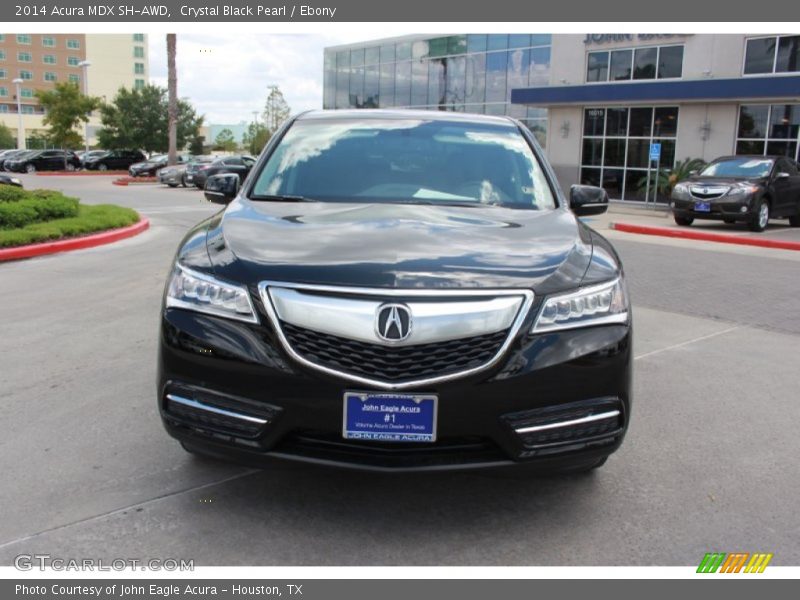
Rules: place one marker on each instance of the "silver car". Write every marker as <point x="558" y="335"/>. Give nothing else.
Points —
<point x="173" y="176"/>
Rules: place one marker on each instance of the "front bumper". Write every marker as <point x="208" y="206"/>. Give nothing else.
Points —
<point x="221" y="370"/>
<point x="739" y="209"/>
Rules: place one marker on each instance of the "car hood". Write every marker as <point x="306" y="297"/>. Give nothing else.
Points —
<point x="398" y="245"/>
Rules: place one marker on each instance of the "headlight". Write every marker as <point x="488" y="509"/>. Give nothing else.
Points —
<point x="203" y="293"/>
<point x="602" y="304"/>
<point x="739" y="190"/>
<point x="680" y="190"/>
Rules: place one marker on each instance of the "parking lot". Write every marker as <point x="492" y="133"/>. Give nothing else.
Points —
<point x="709" y="462"/>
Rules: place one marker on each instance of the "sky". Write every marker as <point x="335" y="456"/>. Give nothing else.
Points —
<point x="226" y="76"/>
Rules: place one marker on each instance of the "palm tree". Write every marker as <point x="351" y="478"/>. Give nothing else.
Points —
<point x="665" y="179"/>
<point x="172" y="84"/>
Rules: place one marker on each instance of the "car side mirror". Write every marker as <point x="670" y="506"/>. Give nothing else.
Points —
<point x="585" y="200"/>
<point x="222" y="188"/>
<point x="782" y="175"/>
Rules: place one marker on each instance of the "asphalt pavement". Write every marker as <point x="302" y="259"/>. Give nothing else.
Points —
<point x="86" y="469"/>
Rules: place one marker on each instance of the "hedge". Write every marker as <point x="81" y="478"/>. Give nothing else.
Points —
<point x="36" y="208"/>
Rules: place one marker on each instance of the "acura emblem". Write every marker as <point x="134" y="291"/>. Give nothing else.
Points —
<point x="393" y="322"/>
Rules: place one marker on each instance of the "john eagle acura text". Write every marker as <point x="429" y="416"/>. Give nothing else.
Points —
<point x="398" y="290"/>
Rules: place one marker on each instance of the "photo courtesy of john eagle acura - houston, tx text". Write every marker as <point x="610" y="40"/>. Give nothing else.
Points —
<point x="398" y="290"/>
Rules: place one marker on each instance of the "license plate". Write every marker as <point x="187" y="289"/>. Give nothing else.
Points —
<point x="702" y="206"/>
<point x="389" y="417"/>
<point x="189" y="178"/>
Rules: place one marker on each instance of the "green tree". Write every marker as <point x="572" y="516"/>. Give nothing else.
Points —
<point x="139" y="118"/>
<point x="65" y="108"/>
<point x="276" y="109"/>
<point x="256" y="137"/>
<point x="7" y="139"/>
<point x="225" y="141"/>
<point x="196" y="145"/>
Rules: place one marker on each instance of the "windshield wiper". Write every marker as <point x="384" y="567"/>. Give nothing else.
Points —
<point x="281" y="198"/>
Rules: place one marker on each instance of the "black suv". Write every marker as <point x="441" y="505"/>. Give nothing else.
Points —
<point x="398" y="290"/>
<point x="114" y="160"/>
<point x="44" y="160"/>
<point x="240" y="164"/>
<point x="752" y="189"/>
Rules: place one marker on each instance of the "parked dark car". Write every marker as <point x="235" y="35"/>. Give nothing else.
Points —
<point x="752" y="189"/>
<point x="9" y="180"/>
<point x="197" y="163"/>
<point x="10" y="154"/>
<point x="240" y="165"/>
<point x="44" y="160"/>
<point x="398" y="290"/>
<point x="150" y="167"/>
<point x="113" y="160"/>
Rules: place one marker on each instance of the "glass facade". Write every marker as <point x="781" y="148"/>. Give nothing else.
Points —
<point x="616" y="146"/>
<point x="463" y="73"/>
<point x="774" y="54"/>
<point x="768" y="129"/>
<point x="654" y="62"/>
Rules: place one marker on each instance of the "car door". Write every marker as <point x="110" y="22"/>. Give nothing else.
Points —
<point x="785" y="187"/>
<point x="49" y="160"/>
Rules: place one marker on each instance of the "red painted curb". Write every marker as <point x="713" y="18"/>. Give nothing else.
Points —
<point x="88" y="241"/>
<point x="80" y="173"/>
<point x="688" y="234"/>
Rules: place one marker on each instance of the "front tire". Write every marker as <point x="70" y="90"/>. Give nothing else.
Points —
<point x="183" y="180"/>
<point x="683" y="221"/>
<point x="30" y="169"/>
<point x="761" y="217"/>
<point x="102" y="167"/>
<point x="70" y="167"/>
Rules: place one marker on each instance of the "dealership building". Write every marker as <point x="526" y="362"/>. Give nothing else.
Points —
<point x="598" y="103"/>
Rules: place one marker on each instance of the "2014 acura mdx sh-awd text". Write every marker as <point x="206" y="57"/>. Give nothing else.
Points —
<point x="398" y="290"/>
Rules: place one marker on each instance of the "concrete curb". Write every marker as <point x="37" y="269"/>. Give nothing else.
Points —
<point x="688" y="234"/>
<point x="79" y="243"/>
<point x="125" y="181"/>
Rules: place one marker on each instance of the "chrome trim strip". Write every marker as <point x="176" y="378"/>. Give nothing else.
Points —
<point x="615" y="319"/>
<point x="220" y="411"/>
<point x="589" y="419"/>
<point x="356" y="318"/>
<point x="522" y="314"/>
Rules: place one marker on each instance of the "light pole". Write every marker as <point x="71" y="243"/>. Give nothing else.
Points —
<point x="85" y="64"/>
<point x="20" y="128"/>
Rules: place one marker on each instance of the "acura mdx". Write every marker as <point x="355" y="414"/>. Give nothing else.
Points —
<point x="398" y="290"/>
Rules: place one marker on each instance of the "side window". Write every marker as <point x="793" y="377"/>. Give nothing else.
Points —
<point x="787" y="166"/>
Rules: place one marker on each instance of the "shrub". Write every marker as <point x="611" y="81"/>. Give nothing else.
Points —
<point x="23" y="212"/>
<point x="10" y="193"/>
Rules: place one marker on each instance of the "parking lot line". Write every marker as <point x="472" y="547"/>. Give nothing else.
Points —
<point x="687" y="342"/>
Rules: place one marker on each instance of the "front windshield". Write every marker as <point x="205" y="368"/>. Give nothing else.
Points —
<point x="409" y="160"/>
<point x="738" y="167"/>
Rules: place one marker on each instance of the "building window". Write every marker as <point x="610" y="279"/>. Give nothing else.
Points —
<point x="138" y="84"/>
<point x="3" y="108"/>
<point x="24" y="38"/>
<point x="2" y="54"/>
<point x="27" y="109"/>
<point x="138" y="37"/>
<point x="26" y="93"/>
<point x="138" y="52"/>
<point x="48" y="41"/>
<point x="775" y="54"/>
<point x="73" y="44"/>
<point x="74" y="78"/>
<point x="3" y="74"/>
<point x="616" y="147"/>
<point x="3" y="91"/>
<point x="24" y="57"/>
<point x="138" y="68"/>
<point x="26" y="75"/>
<point x="49" y="76"/>
<point x="652" y="62"/>
<point x="73" y="61"/>
<point x="2" y="37"/>
<point x="49" y="59"/>
<point x="768" y="129"/>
